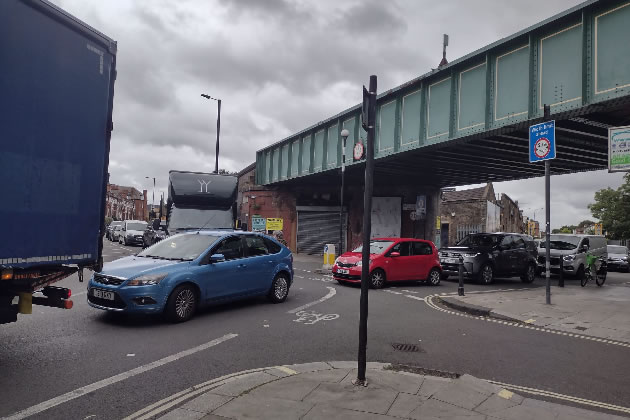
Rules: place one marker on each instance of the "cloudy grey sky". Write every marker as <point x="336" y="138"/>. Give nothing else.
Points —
<point x="280" y="66"/>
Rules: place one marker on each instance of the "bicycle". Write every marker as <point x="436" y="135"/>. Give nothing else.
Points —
<point x="591" y="268"/>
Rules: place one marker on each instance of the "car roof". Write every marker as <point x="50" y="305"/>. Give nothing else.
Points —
<point x="220" y="232"/>
<point x="400" y="239"/>
<point x="135" y="221"/>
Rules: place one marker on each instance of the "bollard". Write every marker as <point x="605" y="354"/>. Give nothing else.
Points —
<point x="561" y="279"/>
<point x="460" y="289"/>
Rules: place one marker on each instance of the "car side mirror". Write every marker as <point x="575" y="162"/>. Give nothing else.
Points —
<point x="394" y="254"/>
<point x="215" y="258"/>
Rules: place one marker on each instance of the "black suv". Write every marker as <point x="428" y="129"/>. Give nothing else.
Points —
<point x="487" y="255"/>
<point x="154" y="233"/>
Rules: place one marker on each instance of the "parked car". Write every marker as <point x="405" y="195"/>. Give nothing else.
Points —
<point x="182" y="272"/>
<point x="573" y="250"/>
<point x="154" y="233"/>
<point x="618" y="258"/>
<point x="490" y="255"/>
<point x="110" y="229"/>
<point x="115" y="233"/>
<point x="391" y="260"/>
<point x="131" y="232"/>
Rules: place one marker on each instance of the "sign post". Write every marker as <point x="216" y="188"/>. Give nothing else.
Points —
<point x="368" y="114"/>
<point x="619" y="149"/>
<point x="542" y="147"/>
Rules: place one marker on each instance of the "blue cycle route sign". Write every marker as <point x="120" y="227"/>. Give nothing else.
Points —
<point x="542" y="141"/>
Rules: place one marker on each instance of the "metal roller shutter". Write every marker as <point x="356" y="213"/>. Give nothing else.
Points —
<point x="315" y="229"/>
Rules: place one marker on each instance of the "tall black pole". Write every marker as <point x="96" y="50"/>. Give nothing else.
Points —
<point x="367" y="231"/>
<point x="547" y="112"/>
<point x="343" y="172"/>
<point x="216" y="162"/>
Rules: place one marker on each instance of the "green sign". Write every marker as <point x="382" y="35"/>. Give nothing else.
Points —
<point x="619" y="149"/>
<point x="258" y="223"/>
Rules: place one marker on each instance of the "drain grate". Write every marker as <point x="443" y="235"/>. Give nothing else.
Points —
<point x="405" y="347"/>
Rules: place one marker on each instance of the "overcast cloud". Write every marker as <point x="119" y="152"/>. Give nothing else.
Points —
<point x="280" y="66"/>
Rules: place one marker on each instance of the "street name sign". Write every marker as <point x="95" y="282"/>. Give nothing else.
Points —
<point x="619" y="149"/>
<point x="542" y="141"/>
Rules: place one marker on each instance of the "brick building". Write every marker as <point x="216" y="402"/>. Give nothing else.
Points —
<point x="468" y="211"/>
<point x="126" y="203"/>
<point x="311" y="211"/>
<point x="511" y="217"/>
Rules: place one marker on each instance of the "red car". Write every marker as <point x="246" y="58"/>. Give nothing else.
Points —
<point x="391" y="259"/>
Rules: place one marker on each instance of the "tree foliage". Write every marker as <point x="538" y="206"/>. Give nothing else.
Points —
<point x="612" y="207"/>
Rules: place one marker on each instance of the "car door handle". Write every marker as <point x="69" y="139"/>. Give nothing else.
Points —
<point x="242" y="266"/>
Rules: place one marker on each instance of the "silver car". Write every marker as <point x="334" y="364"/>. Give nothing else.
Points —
<point x="618" y="258"/>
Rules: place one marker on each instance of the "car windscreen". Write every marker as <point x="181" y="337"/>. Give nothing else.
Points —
<point x="114" y="224"/>
<point x="180" y="247"/>
<point x="616" y="249"/>
<point x="136" y="226"/>
<point x="562" y="243"/>
<point x="189" y="218"/>
<point x="376" y="247"/>
<point x="480" y="239"/>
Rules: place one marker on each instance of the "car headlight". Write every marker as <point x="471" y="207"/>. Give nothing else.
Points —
<point x="472" y="255"/>
<point x="624" y="259"/>
<point x="147" y="279"/>
<point x="359" y="263"/>
<point x="569" y="258"/>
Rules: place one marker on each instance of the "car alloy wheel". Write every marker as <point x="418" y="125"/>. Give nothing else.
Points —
<point x="279" y="288"/>
<point x="377" y="279"/>
<point x="486" y="274"/>
<point x="434" y="277"/>
<point x="530" y="274"/>
<point x="184" y="303"/>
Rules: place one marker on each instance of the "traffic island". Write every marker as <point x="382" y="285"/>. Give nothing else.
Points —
<point x="325" y="390"/>
<point x="597" y="312"/>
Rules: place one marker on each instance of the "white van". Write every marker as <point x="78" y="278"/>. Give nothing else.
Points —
<point x="572" y="249"/>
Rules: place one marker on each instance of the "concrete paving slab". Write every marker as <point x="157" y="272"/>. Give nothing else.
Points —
<point x="243" y="383"/>
<point x="439" y="409"/>
<point x="372" y="399"/>
<point x="183" y="414"/>
<point x="332" y="376"/>
<point x="432" y="384"/>
<point x="521" y="412"/>
<point x="480" y="385"/>
<point x="256" y="407"/>
<point x="207" y="402"/>
<point x="323" y="411"/>
<point x="293" y="388"/>
<point x="460" y="394"/>
<point x="395" y="381"/>
<point x="404" y="404"/>
<point x="496" y="403"/>
<point x="310" y="367"/>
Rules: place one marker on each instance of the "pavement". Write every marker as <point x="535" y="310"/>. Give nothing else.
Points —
<point x="325" y="390"/>
<point x="596" y="311"/>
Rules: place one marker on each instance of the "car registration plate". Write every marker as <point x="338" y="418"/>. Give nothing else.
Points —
<point x="342" y="271"/>
<point x="103" y="294"/>
<point x="450" y="261"/>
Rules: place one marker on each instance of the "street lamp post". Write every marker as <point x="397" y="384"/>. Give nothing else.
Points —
<point x="216" y="158"/>
<point x="153" y="199"/>
<point x="344" y="136"/>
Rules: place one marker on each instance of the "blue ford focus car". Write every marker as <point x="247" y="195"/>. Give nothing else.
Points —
<point x="182" y="272"/>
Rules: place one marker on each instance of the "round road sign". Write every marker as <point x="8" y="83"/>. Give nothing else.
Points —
<point x="542" y="147"/>
<point x="357" y="152"/>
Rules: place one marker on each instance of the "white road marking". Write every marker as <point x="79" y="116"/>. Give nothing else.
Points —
<point x="79" y="392"/>
<point x="312" y="317"/>
<point x="393" y="292"/>
<point x="415" y="297"/>
<point x="299" y="277"/>
<point x="79" y="294"/>
<point x="331" y="292"/>
<point x="131" y="354"/>
<point x="409" y="291"/>
<point x="564" y="397"/>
